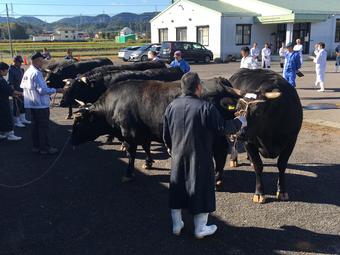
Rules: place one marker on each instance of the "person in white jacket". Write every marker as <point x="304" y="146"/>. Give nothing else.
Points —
<point x="320" y="66"/>
<point x="299" y="48"/>
<point x="37" y="100"/>
<point x="266" y="52"/>
<point x="247" y="61"/>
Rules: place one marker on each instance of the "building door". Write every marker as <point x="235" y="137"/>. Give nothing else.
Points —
<point x="302" y="31"/>
<point x="280" y="36"/>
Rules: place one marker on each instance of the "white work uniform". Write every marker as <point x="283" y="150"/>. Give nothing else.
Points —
<point x="266" y="52"/>
<point x="36" y="92"/>
<point x="254" y="52"/>
<point x="248" y="62"/>
<point x="320" y="66"/>
<point x="299" y="48"/>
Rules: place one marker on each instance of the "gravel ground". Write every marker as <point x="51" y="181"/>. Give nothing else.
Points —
<point x="81" y="206"/>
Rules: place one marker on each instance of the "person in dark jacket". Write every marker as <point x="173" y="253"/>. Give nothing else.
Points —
<point x="190" y="126"/>
<point x="15" y="74"/>
<point x="6" y="120"/>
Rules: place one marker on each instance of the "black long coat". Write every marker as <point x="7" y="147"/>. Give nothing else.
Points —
<point x="190" y="126"/>
<point x="6" y="119"/>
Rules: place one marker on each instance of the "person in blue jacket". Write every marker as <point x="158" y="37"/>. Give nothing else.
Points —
<point x="292" y="64"/>
<point x="180" y="62"/>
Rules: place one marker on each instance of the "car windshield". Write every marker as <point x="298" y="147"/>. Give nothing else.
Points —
<point x="133" y="48"/>
<point x="166" y="45"/>
<point x="144" y="47"/>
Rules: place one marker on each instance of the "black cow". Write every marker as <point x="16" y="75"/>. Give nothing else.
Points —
<point x="274" y="115"/>
<point x="133" y="110"/>
<point x="55" y="78"/>
<point x="89" y="88"/>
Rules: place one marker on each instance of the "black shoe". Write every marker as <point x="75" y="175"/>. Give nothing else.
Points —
<point x="50" y="151"/>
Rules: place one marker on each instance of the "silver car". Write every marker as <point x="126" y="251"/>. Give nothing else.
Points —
<point x="142" y="53"/>
<point x="125" y="53"/>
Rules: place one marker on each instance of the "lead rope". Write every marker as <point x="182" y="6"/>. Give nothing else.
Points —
<point x="242" y="112"/>
<point x="43" y="174"/>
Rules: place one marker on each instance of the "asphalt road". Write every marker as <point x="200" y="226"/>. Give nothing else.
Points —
<point x="82" y="207"/>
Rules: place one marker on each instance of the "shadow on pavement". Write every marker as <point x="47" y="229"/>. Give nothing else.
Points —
<point x="81" y="207"/>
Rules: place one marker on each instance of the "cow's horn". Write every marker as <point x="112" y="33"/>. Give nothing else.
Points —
<point x="47" y="70"/>
<point x="66" y="80"/>
<point x="83" y="79"/>
<point x="81" y="103"/>
<point x="234" y="91"/>
<point x="272" y="95"/>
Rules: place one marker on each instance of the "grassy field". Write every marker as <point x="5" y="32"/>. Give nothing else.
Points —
<point x="107" y="48"/>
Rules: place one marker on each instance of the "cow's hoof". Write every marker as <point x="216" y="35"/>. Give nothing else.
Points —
<point x="218" y="185"/>
<point x="147" y="165"/>
<point x="123" y="147"/>
<point x="69" y="117"/>
<point x="233" y="163"/>
<point x="126" y="179"/>
<point x="259" y="199"/>
<point x="282" y="196"/>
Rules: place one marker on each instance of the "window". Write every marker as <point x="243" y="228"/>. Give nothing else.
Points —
<point x="186" y="46"/>
<point x="197" y="46"/>
<point x="181" y="34"/>
<point x="66" y="36"/>
<point x="66" y="31"/>
<point x="243" y="34"/>
<point x="337" y="31"/>
<point x="162" y="35"/>
<point x="203" y="35"/>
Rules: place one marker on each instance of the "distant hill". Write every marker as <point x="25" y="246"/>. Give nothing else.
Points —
<point x="90" y="24"/>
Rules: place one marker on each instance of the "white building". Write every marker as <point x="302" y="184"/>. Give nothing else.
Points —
<point x="125" y="31"/>
<point x="41" y="37"/>
<point x="68" y="35"/>
<point x="225" y="26"/>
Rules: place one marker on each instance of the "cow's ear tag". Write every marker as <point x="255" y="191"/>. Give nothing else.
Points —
<point x="231" y="107"/>
<point x="250" y="96"/>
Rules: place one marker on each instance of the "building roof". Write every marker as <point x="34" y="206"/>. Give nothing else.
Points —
<point x="309" y="6"/>
<point x="223" y="7"/>
<point x="272" y="11"/>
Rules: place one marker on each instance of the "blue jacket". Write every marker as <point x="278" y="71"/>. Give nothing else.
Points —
<point x="182" y="64"/>
<point x="292" y="62"/>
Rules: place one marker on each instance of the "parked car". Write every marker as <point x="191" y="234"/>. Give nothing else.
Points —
<point x="142" y="53"/>
<point x="125" y="53"/>
<point x="191" y="51"/>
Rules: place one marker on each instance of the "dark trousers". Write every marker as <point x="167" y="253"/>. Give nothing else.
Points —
<point x="40" y="128"/>
<point x="18" y="106"/>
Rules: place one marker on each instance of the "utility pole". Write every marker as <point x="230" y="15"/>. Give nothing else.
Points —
<point x="9" y="32"/>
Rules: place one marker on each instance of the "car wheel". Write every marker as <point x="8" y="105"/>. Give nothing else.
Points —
<point x="207" y="59"/>
<point x="144" y="58"/>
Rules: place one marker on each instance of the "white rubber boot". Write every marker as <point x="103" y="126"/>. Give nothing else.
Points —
<point x="12" y="137"/>
<point x="23" y="119"/>
<point x="177" y="222"/>
<point x="201" y="228"/>
<point x="18" y="123"/>
<point x="322" y="87"/>
<point x="336" y="68"/>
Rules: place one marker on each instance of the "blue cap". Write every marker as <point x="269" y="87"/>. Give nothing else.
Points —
<point x="36" y="55"/>
<point x="290" y="45"/>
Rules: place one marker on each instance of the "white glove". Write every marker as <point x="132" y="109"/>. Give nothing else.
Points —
<point x="243" y="120"/>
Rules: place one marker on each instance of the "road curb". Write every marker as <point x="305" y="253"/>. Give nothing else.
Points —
<point x="326" y="123"/>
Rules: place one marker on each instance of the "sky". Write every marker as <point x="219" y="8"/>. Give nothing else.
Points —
<point x="52" y="10"/>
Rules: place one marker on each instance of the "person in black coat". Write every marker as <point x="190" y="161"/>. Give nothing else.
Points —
<point x="6" y="120"/>
<point x="15" y="74"/>
<point x="190" y="125"/>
